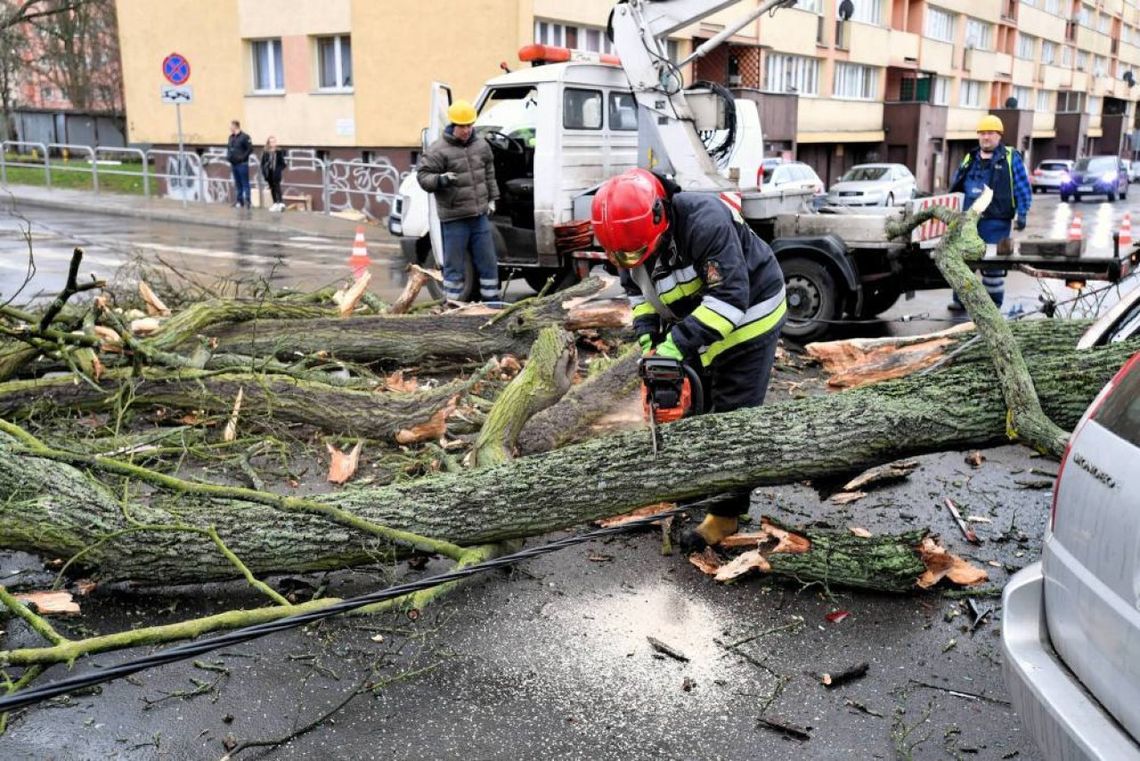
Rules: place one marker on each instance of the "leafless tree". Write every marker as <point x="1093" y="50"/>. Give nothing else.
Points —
<point x="78" y="52"/>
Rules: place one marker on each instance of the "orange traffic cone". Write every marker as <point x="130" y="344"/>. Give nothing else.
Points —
<point x="1075" y="232"/>
<point x="359" y="260"/>
<point x="1126" y="230"/>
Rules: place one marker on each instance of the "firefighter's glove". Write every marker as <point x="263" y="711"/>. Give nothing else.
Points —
<point x="646" y="342"/>
<point x="712" y="530"/>
<point x="669" y="349"/>
<point x="1020" y="225"/>
<point x="447" y="179"/>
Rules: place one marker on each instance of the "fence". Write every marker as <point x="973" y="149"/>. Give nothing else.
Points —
<point x="323" y="186"/>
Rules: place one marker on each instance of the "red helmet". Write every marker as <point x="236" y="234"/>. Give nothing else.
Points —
<point x="629" y="216"/>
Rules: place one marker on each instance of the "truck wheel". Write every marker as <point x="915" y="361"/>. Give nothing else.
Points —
<point x="536" y="277"/>
<point x="878" y="300"/>
<point x="426" y="259"/>
<point x="812" y="298"/>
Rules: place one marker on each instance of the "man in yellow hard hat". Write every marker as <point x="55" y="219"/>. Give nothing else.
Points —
<point x="1001" y="168"/>
<point x="459" y="169"/>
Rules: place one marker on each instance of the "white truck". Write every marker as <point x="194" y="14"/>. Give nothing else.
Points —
<point x="561" y="128"/>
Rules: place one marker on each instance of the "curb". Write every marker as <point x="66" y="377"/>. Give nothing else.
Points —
<point x="13" y="200"/>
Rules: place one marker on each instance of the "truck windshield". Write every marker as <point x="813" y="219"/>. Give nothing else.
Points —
<point x="512" y="111"/>
<point x="864" y="174"/>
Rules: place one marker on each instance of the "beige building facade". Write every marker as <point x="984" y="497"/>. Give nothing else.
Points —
<point x="899" y="80"/>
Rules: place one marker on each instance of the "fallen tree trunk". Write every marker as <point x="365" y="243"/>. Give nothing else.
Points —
<point x="404" y="339"/>
<point x="377" y="415"/>
<point x="58" y="510"/>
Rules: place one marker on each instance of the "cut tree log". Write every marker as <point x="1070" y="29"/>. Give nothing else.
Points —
<point x="403" y="339"/>
<point x="860" y="361"/>
<point x="546" y="377"/>
<point x="58" y="510"/>
<point x="332" y="409"/>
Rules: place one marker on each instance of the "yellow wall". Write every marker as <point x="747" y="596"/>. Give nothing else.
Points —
<point x="206" y="32"/>
<point x="406" y="44"/>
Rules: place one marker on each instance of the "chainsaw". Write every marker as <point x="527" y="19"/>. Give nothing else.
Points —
<point x="670" y="390"/>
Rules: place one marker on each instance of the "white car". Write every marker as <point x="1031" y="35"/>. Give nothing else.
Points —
<point x="1050" y="175"/>
<point x="873" y="185"/>
<point x="789" y="175"/>
<point x="1133" y="169"/>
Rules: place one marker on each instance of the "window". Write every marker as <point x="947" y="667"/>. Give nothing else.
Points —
<point x="1084" y="16"/>
<point x="1066" y="56"/>
<point x="268" y="68"/>
<point x="1120" y="410"/>
<point x="1123" y="33"/>
<point x="811" y="6"/>
<point x="1026" y="44"/>
<point x="1082" y="60"/>
<point x="970" y="93"/>
<point x="574" y="37"/>
<point x="581" y="109"/>
<point x="941" y="93"/>
<point x="791" y="73"/>
<point x="1100" y="66"/>
<point x="1024" y="96"/>
<point x="868" y="12"/>
<point x="1048" y="51"/>
<point x="47" y="92"/>
<point x="334" y="62"/>
<point x="979" y="34"/>
<point x="1070" y="102"/>
<point x="1044" y="100"/>
<point x="1094" y="105"/>
<point x="939" y="24"/>
<point x="1053" y="6"/>
<point x="856" y="81"/>
<point x="1102" y="22"/>
<point x="623" y="111"/>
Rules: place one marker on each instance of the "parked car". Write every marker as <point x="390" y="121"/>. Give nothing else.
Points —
<point x="873" y="185"/>
<point x="1119" y="323"/>
<point x="1050" y="174"/>
<point x="1096" y="175"/>
<point x="789" y="175"/>
<point x="1133" y="171"/>
<point x="1070" y="622"/>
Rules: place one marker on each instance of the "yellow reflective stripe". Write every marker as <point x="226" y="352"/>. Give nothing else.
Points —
<point x="744" y="333"/>
<point x="682" y="290"/>
<point x="711" y="319"/>
<point x="644" y="310"/>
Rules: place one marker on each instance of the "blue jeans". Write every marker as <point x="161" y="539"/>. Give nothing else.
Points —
<point x="473" y="235"/>
<point x="241" y="183"/>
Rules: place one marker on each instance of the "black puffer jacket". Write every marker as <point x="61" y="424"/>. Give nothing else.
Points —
<point x="474" y="166"/>
<point x="238" y="148"/>
<point x="273" y="165"/>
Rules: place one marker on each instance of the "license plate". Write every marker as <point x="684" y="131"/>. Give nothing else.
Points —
<point x="1085" y="188"/>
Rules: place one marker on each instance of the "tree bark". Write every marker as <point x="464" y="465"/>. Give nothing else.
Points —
<point x="58" y="510"/>
<point x="377" y="415"/>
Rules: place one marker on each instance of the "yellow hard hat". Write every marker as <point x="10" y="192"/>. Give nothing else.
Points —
<point x="462" y="113"/>
<point x="991" y="123"/>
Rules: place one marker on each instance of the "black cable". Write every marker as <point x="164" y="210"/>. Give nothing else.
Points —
<point x="720" y="151"/>
<point x="187" y="650"/>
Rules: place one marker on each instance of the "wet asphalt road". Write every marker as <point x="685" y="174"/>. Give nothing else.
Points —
<point x="551" y="660"/>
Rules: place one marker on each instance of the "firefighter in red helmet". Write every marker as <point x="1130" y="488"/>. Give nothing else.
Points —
<point x="705" y="290"/>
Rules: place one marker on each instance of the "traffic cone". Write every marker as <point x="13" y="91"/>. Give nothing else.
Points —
<point x="1126" y="230"/>
<point x="359" y="260"/>
<point x="1075" y="232"/>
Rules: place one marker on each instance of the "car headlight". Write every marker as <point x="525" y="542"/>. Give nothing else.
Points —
<point x="1109" y="176"/>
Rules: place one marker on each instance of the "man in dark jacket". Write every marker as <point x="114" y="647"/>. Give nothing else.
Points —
<point x="238" y="149"/>
<point x="1001" y="168"/>
<point x="705" y="290"/>
<point x="459" y="169"/>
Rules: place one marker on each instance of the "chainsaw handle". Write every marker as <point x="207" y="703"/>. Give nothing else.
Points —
<point x="697" y="390"/>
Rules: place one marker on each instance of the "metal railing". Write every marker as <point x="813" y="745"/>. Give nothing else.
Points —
<point x="325" y="186"/>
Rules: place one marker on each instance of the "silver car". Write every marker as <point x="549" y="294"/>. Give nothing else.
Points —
<point x="873" y="185"/>
<point x="1049" y="175"/>
<point x="1071" y="622"/>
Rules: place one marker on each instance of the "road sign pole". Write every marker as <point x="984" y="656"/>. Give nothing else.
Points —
<point x="181" y="159"/>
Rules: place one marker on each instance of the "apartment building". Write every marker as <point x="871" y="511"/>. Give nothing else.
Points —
<point x="838" y="81"/>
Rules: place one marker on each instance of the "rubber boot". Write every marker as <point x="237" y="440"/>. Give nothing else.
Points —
<point x="712" y="529"/>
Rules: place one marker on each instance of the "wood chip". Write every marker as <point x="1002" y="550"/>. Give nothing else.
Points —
<point x="640" y="512"/>
<point x="975" y="458"/>
<point x="84" y="587"/>
<point x="793" y="544"/>
<point x="941" y="564"/>
<point x="145" y="326"/>
<point x="154" y="305"/>
<point x="744" y="541"/>
<point x="230" y="433"/>
<point x="433" y="429"/>
<point x="665" y="649"/>
<point x="51" y="603"/>
<point x="860" y="532"/>
<point x="342" y="465"/>
<point x="109" y="339"/>
<point x="397" y="382"/>
<point x="753" y="560"/>
<point x="883" y="474"/>
<point x="857" y="671"/>
<point x="847" y="497"/>
<point x="347" y="300"/>
<point x="707" y="561"/>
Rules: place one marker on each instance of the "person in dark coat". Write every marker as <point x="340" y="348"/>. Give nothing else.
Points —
<point x="238" y="149"/>
<point x="272" y="169"/>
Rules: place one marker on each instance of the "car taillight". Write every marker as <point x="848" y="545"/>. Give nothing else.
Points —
<point x="1132" y="363"/>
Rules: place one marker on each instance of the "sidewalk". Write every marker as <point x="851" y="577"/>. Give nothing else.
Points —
<point x="195" y="213"/>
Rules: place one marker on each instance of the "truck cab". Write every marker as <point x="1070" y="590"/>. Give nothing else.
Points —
<point x="556" y="132"/>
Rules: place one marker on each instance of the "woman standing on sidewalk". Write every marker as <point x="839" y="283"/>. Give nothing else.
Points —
<point x="272" y="168"/>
